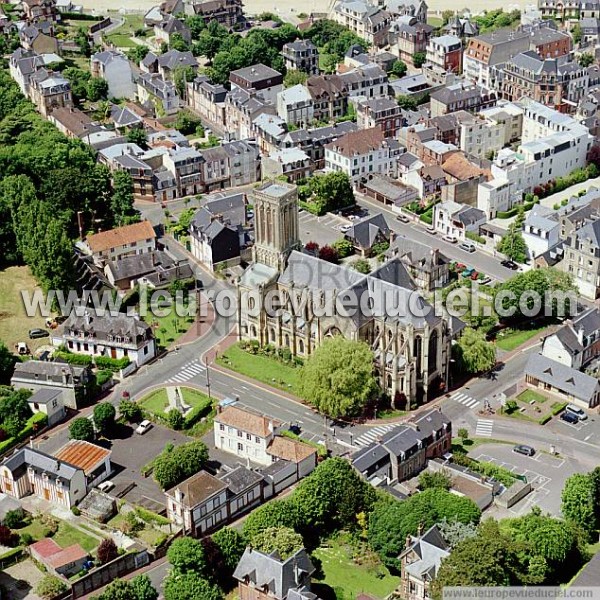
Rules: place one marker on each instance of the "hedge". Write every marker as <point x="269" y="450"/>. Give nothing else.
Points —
<point x="80" y="16"/>
<point x="103" y="376"/>
<point x="197" y="413"/>
<point x="112" y="364"/>
<point x="476" y="238"/>
<point x="427" y="218"/>
<point x="558" y="407"/>
<point x="545" y="419"/>
<point x="11" y="556"/>
<point x="38" y="418"/>
<point x="82" y="360"/>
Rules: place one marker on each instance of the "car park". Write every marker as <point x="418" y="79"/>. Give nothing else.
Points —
<point x="35" y="334"/>
<point x="450" y="239"/>
<point x="575" y="410"/>
<point x="143" y="427"/>
<point x="509" y="264"/>
<point x="524" y="450"/>
<point x="568" y="417"/>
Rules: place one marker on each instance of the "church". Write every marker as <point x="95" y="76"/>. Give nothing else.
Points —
<point x="294" y="300"/>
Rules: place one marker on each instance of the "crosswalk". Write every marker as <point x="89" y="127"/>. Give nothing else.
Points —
<point x="465" y="400"/>
<point x="484" y="427"/>
<point x="188" y="371"/>
<point x="373" y="435"/>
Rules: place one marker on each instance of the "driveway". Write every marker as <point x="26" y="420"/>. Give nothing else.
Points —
<point x="19" y="580"/>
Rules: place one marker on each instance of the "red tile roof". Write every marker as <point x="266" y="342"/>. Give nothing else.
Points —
<point x="68" y="555"/>
<point x="137" y="232"/>
<point x="45" y="548"/>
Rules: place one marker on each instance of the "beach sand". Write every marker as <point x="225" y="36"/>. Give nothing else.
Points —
<point x="292" y="7"/>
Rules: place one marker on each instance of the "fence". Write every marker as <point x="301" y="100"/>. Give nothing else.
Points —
<point x="96" y="27"/>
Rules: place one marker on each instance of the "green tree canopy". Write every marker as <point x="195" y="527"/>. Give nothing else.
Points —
<point x="173" y="465"/>
<point x="104" y="416"/>
<point x="190" y="586"/>
<point x="473" y="353"/>
<point x="281" y="539"/>
<point x="294" y="77"/>
<point x="231" y="545"/>
<point x="580" y="501"/>
<point x="391" y="522"/>
<point x="7" y="363"/>
<point x="121" y="202"/>
<point x="512" y="244"/>
<point x="338" y="378"/>
<point x="50" y="586"/>
<point x="399" y="68"/>
<point x="81" y="429"/>
<point x="407" y="102"/>
<point x="277" y="513"/>
<point x="440" y="480"/>
<point x="187" y="554"/>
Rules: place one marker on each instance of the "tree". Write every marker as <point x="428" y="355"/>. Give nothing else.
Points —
<point x="130" y="411"/>
<point x="576" y="33"/>
<point x="187" y="554"/>
<point x="329" y="254"/>
<point x="104" y="416"/>
<point x="231" y="545"/>
<point x="137" y="135"/>
<point x="173" y="465"/>
<point x="15" y="407"/>
<point x="391" y="521"/>
<point x="512" y="244"/>
<point x="399" y="68"/>
<point x="343" y="247"/>
<point x="586" y="59"/>
<point x="137" y="54"/>
<point x="455" y="532"/>
<point x="7" y="364"/>
<point x="121" y="202"/>
<point x="181" y="77"/>
<point x="119" y="589"/>
<point x="362" y="266"/>
<point x="294" y="77"/>
<point x="579" y="501"/>
<point x="330" y="498"/>
<point x="439" y="480"/>
<point x="176" y="42"/>
<point x="463" y="433"/>
<point x="107" y="551"/>
<point x="187" y="123"/>
<point x="14" y="518"/>
<point x="50" y="586"/>
<point x="190" y="586"/>
<point x="488" y="560"/>
<point x="338" y="378"/>
<point x="548" y="283"/>
<point x="196" y="25"/>
<point x="446" y="16"/>
<point x="142" y="588"/>
<point x="407" y="102"/>
<point x="97" y="89"/>
<point x="281" y="539"/>
<point x="81" y="429"/>
<point x="473" y="353"/>
<point x="277" y="513"/>
<point x="419" y="59"/>
<point x="175" y="419"/>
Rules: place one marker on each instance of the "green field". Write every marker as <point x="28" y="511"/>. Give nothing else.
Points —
<point x="263" y="368"/>
<point x="157" y="401"/>
<point x="121" y="36"/>
<point x="509" y="339"/>
<point x="67" y="535"/>
<point x="347" y="578"/>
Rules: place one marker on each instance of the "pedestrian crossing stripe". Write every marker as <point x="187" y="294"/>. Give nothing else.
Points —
<point x="188" y="371"/>
<point x="484" y="427"/>
<point x="465" y="399"/>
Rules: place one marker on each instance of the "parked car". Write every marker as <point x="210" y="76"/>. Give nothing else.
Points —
<point x="468" y="272"/>
<point x="467" y="246"/>
<point x="22" y="348"/>
<point x="474" y="275"/>
<point x="450" y="239"/>
<point x="403" y="219"/>
<point x="432" y="230"/>
<point x="485" y="280"/>
<point x="143" y="427"/>
<point x="295" y="429"/>
<point x="35" y="334"/>
<point x="509" y="264"/>
<point x="524" y="449"/>
<point x="106" y="486"/>
<point x="344" y="228"/>
<point x="568" y="417"/>
<point x="578" y="412"/>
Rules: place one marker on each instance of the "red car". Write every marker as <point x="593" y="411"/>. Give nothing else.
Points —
<point x="475" y="275"/>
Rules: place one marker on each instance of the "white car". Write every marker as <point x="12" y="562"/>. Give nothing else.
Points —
<point x="143" y="427"/>
<point x="450" y="239"/>
<point x="344" y="228"/>
<point x="106" y="486"/>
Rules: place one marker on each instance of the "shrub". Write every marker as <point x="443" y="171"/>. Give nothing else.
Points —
<point x="545" y="419"/>
<point x="7" y="537"/>
<point x="81" y="429"/>
<point x="26" y="539"/>
<point x="103" y="376"/>
<point x="75" y="511"/>
<point x="14" y="518"/>
<point x="198" y="412"/>
<point x="82" y="360"/>
<point x="49" y="587"/>
<point x="175" y="419"/>
<point x="112" y="364"/>
<point x="130" y="411"/>
<point x="471" y="235"/>
<point x="558" y="407"/>
<point x="107" y="551"/>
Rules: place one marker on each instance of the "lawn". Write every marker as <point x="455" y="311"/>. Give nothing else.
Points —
<point x="348" y="578"/>
<point x="169" y="328"/>
<point x="528" y="395"/>
<point x="262" y="368"/>
<point x="509" y="339"/>
<point x="435" y="21"/>
<point x="121" y="36"/>
<point x="121" y="40"/>
<point x="157" y="401"/>
<point x="14" y="322"/>
<point x="67" y="535"/>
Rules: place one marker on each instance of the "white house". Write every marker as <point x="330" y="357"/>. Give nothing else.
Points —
<point x="48" y="401"/>
<point x="100" y="333"/>
<point x="454" y="219"/>
<point x="93" y="460"/>
<point x="246" y="434"/>
<point x="114" y="67"/>
<point x="295" y="106"/>
<point x="541" y="230"/>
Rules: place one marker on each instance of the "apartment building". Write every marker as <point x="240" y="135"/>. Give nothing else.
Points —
<point x="301" y="55"/>
<point x="379" y="112"/>
<point x="114" y="67"/>
<point x="330" y="96"/>
<point x="258" y="78"/>
<point x="208" y="101"/>
<point x="242" y="108"/>
<point x="295" y="106"/>
<point x="119" y="242"/>
<point x="407" y="36"/>
<point x="49" y="91"/>
<point x="368" y="80"/>
<point x="445" y="52"/>
<point x="225" y="12"/>
<point x="460" y="96"/>
<point x="366" y="20"/>
<point x="153" y="90"/>
<point x="291" y="163"/>
<point x="408" y="8"/>
<point x="582" y="259"/>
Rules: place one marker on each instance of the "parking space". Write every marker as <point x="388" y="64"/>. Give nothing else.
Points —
<point x="546" y="473"/>
<point x="323" y="230"/>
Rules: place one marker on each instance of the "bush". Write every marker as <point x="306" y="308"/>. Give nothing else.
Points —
<point x="14" y="518"/>
<point x="26" y="539"/>
<point x="545" y="419"/>
<point x="112" y="364"/>
<point x="175" y="419"/>
<point x="130" y="411"/>
<point x="103" y="376"/>
<point x="49" y="587"/>
<point x="107" y="551"/>
<point x="476" y="238"/>
<point x="558" y="407"/>
<point x="197" y="413"/>
<point x="75" y="511"/>
<point x="81" y="360"/>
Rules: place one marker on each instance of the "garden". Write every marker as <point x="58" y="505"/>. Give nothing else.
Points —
<point x="17" y="420"/>
<point x="531" y="405"/>
<point x="148" y="527"/>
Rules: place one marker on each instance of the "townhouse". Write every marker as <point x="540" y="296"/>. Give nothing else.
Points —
<point x="242" y="108"/>
<point x="258" y="78"/>
<point x="379" y="112"/>
<point x="582" y="259"/>
<point x="49" y="91"/>
<point x="114" y="67"/>
<point x="330" y="96"/>
<point x="460" y="96"/>
<point x="366" y="20"/>
<point x="153" y="90"/>
<point x="445" y="52"/>
<point x="540" y="230"/>
<point x="362" y="153"/>
<point x="208" y="101"/>
<point x="301" y="55"/>
<point x="403" y="452"/>
<point x="408" y="36"/>
<point x="291" y="163"/>
<point x="225" y="12"/>
<point x="39" y="10"/>
<point x="455" y="220"/>
<point x="410" y="8"/>
<point x="368" y="80"/>
<point x="295" y="106"/>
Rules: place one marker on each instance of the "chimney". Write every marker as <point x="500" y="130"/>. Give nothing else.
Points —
<point x="179" y="495"/>
<point x="420" y="529"/>
<point x="408" y="542"/>
<point x="579" y="334"/>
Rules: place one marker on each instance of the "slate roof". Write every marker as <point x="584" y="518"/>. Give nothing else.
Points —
<point x="278" y="576"/>
<point x="42" y="370"/>
<point x="102" y="325"/>
<point x="240" y="479"/>
<point x="124" y="117"/>
<point x="569" y="381"/>
<point x="44" y="395"/>
<point x="26" y="457"/>
<point x="175" y="58"/>
<point x="431" y="550"/>
<point x="256" y="73"/>
<point x="364" y="233"/>
<point x="591" y="233"/>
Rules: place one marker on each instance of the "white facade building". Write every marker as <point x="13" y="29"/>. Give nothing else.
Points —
<point x="295" y="106"/>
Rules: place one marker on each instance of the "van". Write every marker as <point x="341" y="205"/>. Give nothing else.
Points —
<point x="467" y="246"/>
<point x="575" y="410"/>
